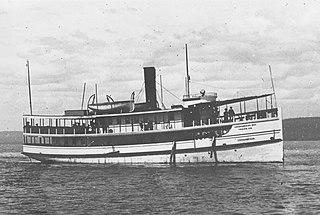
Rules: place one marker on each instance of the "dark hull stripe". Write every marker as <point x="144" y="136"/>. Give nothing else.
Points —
<point x="164" y="152"/>
<point x="255" y="134"/>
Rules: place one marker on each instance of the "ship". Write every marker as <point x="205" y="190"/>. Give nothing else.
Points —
<point x="201" y="129"/>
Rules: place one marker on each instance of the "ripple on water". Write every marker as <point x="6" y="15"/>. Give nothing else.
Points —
<point x="292" y="188"/>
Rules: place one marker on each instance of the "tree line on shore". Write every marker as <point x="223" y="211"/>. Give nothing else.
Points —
<point x="294" y="129"/>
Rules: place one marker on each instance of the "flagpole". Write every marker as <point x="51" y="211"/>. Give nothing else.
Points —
<point x="188" y="76"/>
<point x="84" y="91"/>
<point x="274" y="92"/>
<point x="29" y="86"/>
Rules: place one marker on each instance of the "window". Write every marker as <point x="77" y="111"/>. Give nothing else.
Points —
<point x="127" y="120"/>
<point x="136" y="119"/>
<point x="171" y="116"/>
<point x="177" y="116"/>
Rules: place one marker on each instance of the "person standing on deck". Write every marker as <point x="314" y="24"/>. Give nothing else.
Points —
<point x="216" y="115"/>
<point x="231" y="114"/>
<point x="225" y="115"/>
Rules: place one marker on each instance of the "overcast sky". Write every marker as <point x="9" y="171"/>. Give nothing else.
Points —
<point x="230" y="45"/>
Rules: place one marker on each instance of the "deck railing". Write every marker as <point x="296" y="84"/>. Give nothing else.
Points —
<point x="86" y="128"/>
<point x="83" y="129"/>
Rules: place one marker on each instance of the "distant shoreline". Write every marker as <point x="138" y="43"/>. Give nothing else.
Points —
<point x="294" y="129"/>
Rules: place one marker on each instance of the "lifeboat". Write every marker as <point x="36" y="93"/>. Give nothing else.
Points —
<point x="112" y="107"/>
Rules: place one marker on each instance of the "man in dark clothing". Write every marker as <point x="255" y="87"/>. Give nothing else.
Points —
<point x="225" y="115"/>
<point x="231" y="114"/>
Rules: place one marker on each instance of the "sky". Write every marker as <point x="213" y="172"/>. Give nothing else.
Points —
<point x="230" y="45"/>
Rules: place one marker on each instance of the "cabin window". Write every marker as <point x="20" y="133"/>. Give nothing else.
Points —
<point x="166" y="117"/>
<point x="127" y="120"/>
<point x="105" y="121"/>
<point x="118" y="121"/>
<point x="53" y="122"/>
<point x="109" y="121"/>
<point x="171" y="116"/>
<point x="114" y="121"/>
<point x="68" y="123"/>
<point x="62" y="141"/>
<point x="177" y="116"/>
<point x="151" y="117"/>
<point x="141" y="118"/>
<point x="83" y="141"/>
<point x="54" y="141"/>
<point x="135" y="119"/>
<point x="123" y="120"/>
<point x="159" y="118"/>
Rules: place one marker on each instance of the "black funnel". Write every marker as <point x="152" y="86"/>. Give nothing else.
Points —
<point x="150" y="87"/>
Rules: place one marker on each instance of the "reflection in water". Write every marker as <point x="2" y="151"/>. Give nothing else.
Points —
<point x="33" y="188"/>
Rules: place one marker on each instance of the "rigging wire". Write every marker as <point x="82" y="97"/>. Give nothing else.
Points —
<point x="207" y="85"/>
<point x="170" y="92"/>
<point x="163" y="106"/>
<point x="140" y="93"/>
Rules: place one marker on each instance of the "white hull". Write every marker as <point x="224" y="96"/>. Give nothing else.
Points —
<point x="251" y="141"/>
<point x="264" y="153"/>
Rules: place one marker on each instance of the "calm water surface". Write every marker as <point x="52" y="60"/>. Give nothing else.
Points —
<point x="290" y="188"/>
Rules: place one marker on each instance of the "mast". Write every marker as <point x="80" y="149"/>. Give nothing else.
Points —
<point x="274" y="92"/>
<point x="29" y="86"/>
<point x="161" y="92"/>
<point x="84" y="91"/>
<point x="188" y="76"/>
<point x="97" y="96"/>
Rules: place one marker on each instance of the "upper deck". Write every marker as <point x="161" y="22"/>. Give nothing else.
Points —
<point x="176" y="118"/>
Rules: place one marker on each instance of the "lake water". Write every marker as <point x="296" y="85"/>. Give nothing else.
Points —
<point x="289" y="188"/>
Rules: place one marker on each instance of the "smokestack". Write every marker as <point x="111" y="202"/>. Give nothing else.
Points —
<point x="150" y="87"/>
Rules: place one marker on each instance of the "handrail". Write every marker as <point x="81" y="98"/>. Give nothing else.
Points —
<point x="134" y="127"/>
<point x="88" y="129"/>
<point x="100" y="116"/>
